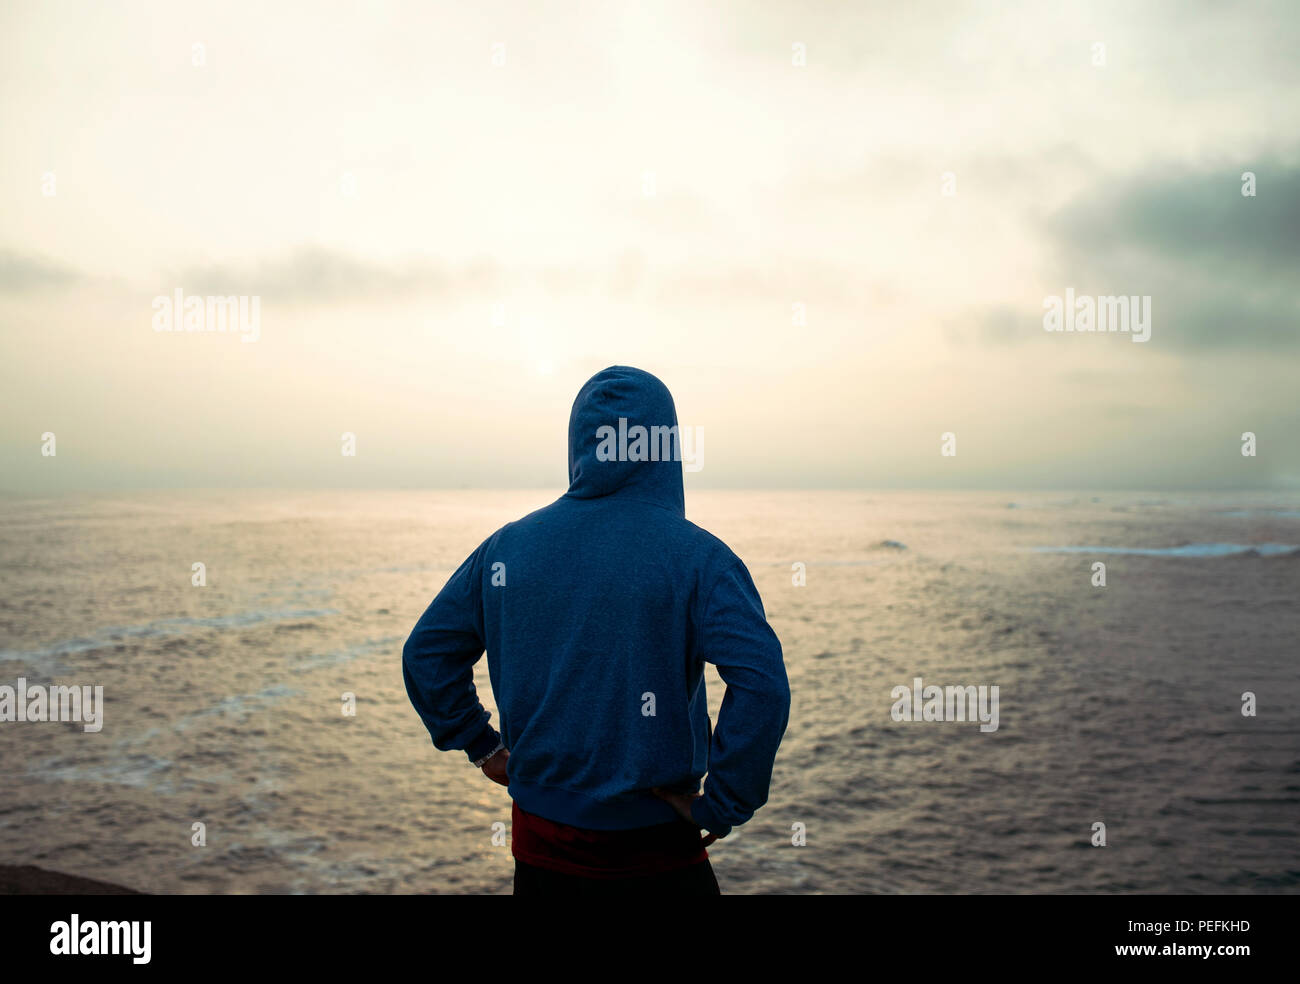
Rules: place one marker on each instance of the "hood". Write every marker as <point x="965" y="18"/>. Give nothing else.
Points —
<point x="612" y="447"/>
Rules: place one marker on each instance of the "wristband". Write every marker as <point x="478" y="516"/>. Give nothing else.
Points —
<point x="479" y="763"/>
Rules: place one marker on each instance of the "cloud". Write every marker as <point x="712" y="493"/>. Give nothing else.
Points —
<point x="1218" y="265"/>
<point x="319" y="275"/>
<point x="20" y="272"/>
<point x="1199" y="218"/>
<point x="315" y="274"/>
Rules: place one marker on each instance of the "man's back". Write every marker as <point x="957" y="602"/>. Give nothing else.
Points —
<point x="599" y="677"/>
<point x="598" y="613"/>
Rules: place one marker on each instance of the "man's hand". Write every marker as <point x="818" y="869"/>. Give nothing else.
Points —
<point x="679" y="802"/>
<point x="495" y="767"/>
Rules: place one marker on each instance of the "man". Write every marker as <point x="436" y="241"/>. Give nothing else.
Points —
<point x="598" y="613"/>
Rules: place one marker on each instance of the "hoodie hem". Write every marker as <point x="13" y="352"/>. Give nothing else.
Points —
<point x="579" y="810"/>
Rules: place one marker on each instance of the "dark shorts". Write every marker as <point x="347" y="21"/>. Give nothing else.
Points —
<point x="695" y="879"/>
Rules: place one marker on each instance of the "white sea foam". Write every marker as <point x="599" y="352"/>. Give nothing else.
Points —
<point x="163" y="627"/>
<point x="1186" y="550"/>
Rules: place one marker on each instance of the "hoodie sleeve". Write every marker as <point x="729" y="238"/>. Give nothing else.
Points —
<point x="438" y="665"/>
<point x="735" y="637"/>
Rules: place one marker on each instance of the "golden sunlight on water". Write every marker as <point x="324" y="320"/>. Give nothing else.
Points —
<point x="223" y="703"/>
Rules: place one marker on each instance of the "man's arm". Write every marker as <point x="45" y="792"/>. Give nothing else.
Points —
<point x="735" y="637"/>
<point x="438" y="666"/>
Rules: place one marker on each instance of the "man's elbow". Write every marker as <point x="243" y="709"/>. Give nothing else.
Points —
<point x="411" y="654"/>
<point x="777" y="699"/>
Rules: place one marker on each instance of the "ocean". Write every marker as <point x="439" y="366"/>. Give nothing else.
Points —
<point x="1118" y="705"/>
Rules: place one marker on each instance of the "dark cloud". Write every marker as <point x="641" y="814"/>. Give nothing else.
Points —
<point x="1198" y="219"/>
<point x="1218" y="266"/>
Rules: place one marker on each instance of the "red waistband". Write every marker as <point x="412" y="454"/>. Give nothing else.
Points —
<point x="604" y="853"/>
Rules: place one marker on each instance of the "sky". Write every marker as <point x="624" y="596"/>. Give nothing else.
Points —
<point x="830" y="229"/>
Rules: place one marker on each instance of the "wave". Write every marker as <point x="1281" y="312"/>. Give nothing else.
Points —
<point x="1186" y="550"/>
<point x="1249" y="513"/>
<point x="137" y="770"/>
<point x="238" y="705"/>
<point x="162" y="628"/>
<point x="341" y="657"/>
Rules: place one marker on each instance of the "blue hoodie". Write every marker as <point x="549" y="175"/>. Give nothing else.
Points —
<point x="598" y="613"/>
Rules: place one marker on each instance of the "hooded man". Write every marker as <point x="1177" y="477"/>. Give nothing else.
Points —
<point x="598" y="613"/>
